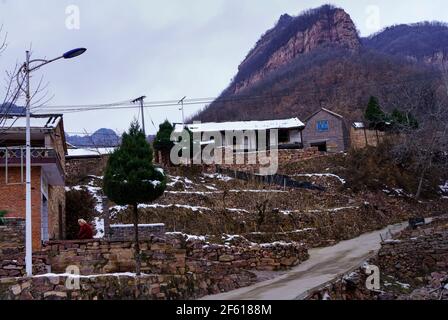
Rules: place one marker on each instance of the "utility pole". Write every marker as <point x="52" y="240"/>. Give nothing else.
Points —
<point x="28" y="229"/>
<point x="181" y="102"/>
<point x="27" y="69"/>
<point x="140" y="99"/>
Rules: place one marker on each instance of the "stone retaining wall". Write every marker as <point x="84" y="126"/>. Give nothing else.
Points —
<point x="268" y="257"/>
<point x="126" y="232"/>
<point x="12" y="250"/>
<point x="108" y="287"/>
<point x="171" y="255"/>
<point x="416" y="255"/>
<point x="174" y="267"/>
<point x="284" y="157"/>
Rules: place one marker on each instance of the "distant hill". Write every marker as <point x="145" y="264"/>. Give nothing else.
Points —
<point x="101" y="138"/>
<point x="318" y="59"/>
<point x="426" y="42"/>
<point x="12" y="109"/>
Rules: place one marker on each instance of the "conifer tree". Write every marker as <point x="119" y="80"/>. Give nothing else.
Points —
<point x="374" y="115"/>
<point x="163" y="141"/>
<point x="131" y="177"/>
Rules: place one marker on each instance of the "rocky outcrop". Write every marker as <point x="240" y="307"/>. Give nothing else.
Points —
<point x="439" y="59"/>
<point x="332" y="27"/>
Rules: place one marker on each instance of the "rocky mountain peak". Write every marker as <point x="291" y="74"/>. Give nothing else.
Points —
<point x="293" y="36"/>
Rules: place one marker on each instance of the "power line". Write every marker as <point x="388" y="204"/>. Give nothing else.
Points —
<point x="237" y="98"/>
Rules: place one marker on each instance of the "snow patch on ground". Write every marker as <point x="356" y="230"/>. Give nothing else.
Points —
<point x="392" y="241"/>
<point x="96" y="177"/>
<point x="96" y="193"/>
<point x="176" y="179"/>
<point x="99" y="227"/>
<point x="218" y="176"/>
<point x="237" y="210"/>
<point x="277" y="243"/>
<point x="71" y="275"/>
<point x="189" y="237"/>
<point x="163" y="206"/>
<point x="220" y="192"/>
<point x="140" y="225"/>
<point x="332" y="210"/>
<point x="325" y="175"/>
<point x="258" y="191"/>
<point x="403" y="285"/>
<point x="202" y="193"/>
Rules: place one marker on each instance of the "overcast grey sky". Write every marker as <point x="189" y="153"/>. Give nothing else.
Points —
<point x="163" y="49"/>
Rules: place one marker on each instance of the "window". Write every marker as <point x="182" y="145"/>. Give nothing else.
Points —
<point x="322" y="126"/>
<point x="283" y="136"/>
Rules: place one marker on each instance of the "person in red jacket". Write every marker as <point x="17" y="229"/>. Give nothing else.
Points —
<point x="85" y="230"/>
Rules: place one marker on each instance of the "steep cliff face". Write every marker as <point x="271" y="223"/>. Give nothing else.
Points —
<point x="292" y="37"/>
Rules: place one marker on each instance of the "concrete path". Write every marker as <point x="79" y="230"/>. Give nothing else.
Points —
<point x="325" y="264"/>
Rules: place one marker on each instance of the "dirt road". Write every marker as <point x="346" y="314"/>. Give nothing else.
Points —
<point x="324" y="265"/>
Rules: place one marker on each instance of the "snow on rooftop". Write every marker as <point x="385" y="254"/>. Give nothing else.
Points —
<point x="358" y="125"/>
<point x="89" y="152"/>
<point x="242" y="125"/>
<point x="38" y="122"/>
<point x="81" y="153"/>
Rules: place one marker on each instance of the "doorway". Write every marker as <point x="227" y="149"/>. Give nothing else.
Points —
<point x="61" y="222"/>
<point x="44" y="220"/>
<point x="322" y="146"/>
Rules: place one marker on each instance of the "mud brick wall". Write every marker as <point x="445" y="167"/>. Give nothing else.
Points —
<point x="418" y="255"/>
<point x="77" y="169"/>
<point x="361" y="138"/>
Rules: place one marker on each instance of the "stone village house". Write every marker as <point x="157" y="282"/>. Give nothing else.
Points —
<point x="289" y="133"/>
<point x="327" y="131"/>
<point x="48" y="150"/>
<point x="83" y="162"/>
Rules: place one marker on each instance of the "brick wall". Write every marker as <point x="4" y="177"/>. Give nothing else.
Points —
<point x="336" y="137"/>
<point x="12" y="198"/>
